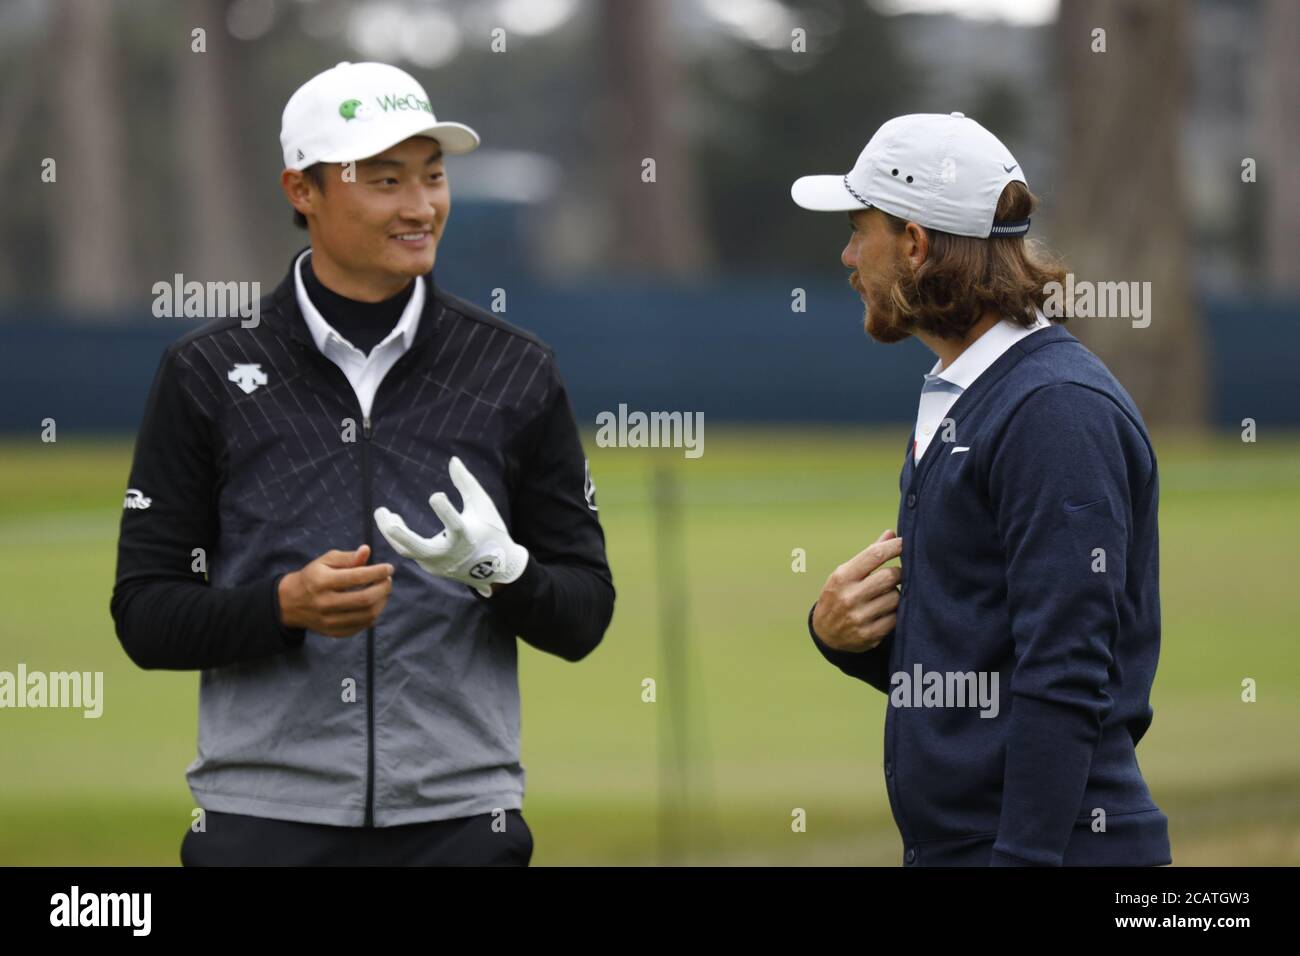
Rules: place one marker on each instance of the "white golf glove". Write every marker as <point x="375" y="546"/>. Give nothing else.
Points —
<point x="473" y="547"/>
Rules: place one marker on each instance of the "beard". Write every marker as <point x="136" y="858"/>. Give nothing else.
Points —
<point x="883" y="322"/>
<point x="881" y="318"/>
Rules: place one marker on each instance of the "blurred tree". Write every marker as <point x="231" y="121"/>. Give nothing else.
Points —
<point x="1122" y="210"/>
<point x="766" y="116"/>
<point x="24" y="142"/>
<point x="92" y="270"/>
<point x="209" y="142"/>
<point x="1279" y="136"/>
<point x="656" y="225"/>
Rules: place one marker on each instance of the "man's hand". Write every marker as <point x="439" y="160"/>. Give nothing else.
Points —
<point x="337" y="595"/>
<point x="473" y="547"/>
<point x="856" y="610"/>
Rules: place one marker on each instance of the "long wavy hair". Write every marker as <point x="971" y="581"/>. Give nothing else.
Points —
<point x="963" y="277"/>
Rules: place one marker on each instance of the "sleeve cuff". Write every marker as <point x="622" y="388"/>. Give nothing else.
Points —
<point x="871" y="666"/>
<point x="848" y="659"/>
<point x="291" y="636"/>
<point x="826" y="650"/>
<point x="521" y="593"/>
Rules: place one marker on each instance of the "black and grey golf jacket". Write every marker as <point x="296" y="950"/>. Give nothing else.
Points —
<point x="253" y="459"/>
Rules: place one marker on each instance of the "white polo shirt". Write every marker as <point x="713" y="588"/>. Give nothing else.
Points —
<point x="364" y="372"/>
<point x="941" y="389"/>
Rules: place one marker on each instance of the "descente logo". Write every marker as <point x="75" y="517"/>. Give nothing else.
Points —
<point x="409" y="101"/>
<point x="102" y="909"/>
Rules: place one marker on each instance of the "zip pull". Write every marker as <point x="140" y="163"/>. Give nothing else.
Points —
<point x="365" y="426"/>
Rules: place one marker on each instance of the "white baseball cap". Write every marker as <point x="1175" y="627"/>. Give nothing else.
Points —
<point x="942" y="171"/>
<point x="357" y="110"/>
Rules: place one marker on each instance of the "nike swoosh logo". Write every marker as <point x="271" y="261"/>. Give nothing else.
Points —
<point x="1072" y="508"/>
<point x="1007" y="169"/>
<point x="959" y="449"/>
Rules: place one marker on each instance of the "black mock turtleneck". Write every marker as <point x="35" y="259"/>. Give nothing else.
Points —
<point x="364" y="324"/>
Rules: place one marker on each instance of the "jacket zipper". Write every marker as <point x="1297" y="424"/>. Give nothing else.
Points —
<point x="367" y="531"/>
<point x="367" y="519"/>
<point x="368" y="535"/>
<point x="368" y="508"/>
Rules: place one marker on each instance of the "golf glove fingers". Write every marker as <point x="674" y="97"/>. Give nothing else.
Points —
<point x="473" y="547"/>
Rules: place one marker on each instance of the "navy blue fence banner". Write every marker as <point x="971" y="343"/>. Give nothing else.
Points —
<point x="735" y="351"/>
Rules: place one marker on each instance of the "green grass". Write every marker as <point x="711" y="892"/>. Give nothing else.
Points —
<point x="773" y="727"/>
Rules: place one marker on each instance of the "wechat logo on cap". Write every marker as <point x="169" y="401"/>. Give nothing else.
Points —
<point x="354" y="109"/>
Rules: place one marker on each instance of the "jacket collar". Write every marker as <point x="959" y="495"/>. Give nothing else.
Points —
<point x="285" y="312"/>
<point x="967" y="400"/>
<point x="984" y="351"/>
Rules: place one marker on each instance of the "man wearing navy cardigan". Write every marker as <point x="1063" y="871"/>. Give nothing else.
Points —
<point x="1018" y="641"/>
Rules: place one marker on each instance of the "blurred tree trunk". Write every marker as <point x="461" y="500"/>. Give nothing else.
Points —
<point x="22" y="125"/>
<point x="1279" y="139"/>
<point x="1122" y="209"/>
<point x="655" y="225"/>
<point x="91" y="224"/>
<point x="208" y="139"/>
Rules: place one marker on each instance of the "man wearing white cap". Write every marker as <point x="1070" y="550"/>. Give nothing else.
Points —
<point x="353" y="712"/>
<point x="1017" y="642"/>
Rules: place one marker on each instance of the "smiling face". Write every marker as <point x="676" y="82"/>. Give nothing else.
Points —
<point x="371" y="236"/>
<point x="878" y="258"/>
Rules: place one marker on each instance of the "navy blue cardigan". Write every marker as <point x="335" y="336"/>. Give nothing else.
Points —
<point x="1032" y="557"/>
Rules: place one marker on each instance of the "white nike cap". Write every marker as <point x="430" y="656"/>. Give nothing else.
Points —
<point x="942" y="171"/>
<point x="357" y="110"/>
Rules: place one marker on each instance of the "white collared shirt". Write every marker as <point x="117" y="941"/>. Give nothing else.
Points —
<point x="941" y="389"/>
<point x="365" y="372"/>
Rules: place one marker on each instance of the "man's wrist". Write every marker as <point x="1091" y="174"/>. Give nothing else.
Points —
<point x="292" y="632"/>
<point x="519" y="563"/>
<point x="837" y="654"/>
<point x="282" y="598"/>
<point x="812" y="614"/>
<point x="520" y="592"/>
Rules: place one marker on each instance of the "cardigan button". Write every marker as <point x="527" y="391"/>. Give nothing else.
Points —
<point x="889" y="769"/>
<point x="911" y="499"/>
<point x="911" y="856"/>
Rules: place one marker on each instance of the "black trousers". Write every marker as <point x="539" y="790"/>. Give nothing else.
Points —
<point x="232" y="839"/>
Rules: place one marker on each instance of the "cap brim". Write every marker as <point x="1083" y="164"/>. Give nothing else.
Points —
<point x="824" y="194"/>
<point x="454" y="138"/>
